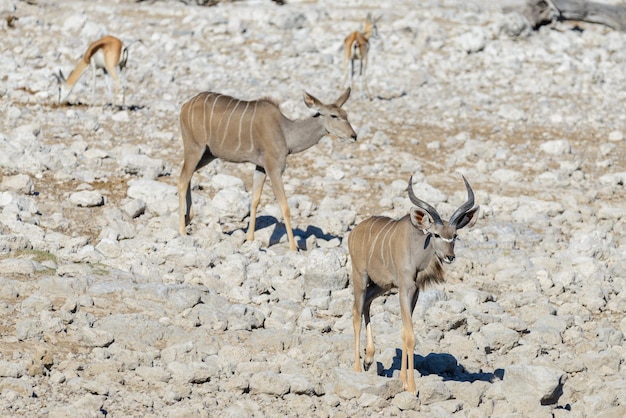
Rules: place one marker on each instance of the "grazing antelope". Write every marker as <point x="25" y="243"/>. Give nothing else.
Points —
<point x="356" y="47"/>
<point x="214" y="126"/>
<point x="406" y="254"/>
<point x="106" y="53"/>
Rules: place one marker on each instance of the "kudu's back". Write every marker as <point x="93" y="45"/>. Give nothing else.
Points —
<point x="377" y="247"/>
<point x="229" y="127"/>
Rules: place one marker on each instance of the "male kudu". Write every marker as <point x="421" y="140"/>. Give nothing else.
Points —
<point x="406" y="254"/>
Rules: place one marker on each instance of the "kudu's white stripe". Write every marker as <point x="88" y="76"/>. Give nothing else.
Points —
<point x="220" y="129"/>
<point x="230" y="115"/>
<point x="376" y="244"/>
<point x="216" y="97"/>
<point x="206" y="97"/>
<point x="243" y="113"/>
<point x="190" y="113"/>
<point x="396" y="225"/>
<point x="252" y="125"/>
<point x="365" y="242"/>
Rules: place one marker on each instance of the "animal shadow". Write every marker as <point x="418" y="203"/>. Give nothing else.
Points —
<point x="280" y="231"/>
<point x="131" y="108"/>
<point x="442" y="364"/>
<point x="79" y="104"/>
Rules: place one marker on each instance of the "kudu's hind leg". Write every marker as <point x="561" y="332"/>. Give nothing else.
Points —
<point x="373" y="291"/>
<point x="194" y="160"/>
<point x="184" y="196"/>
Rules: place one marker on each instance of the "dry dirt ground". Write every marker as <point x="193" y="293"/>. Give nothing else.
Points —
<point x="434" y="97"/>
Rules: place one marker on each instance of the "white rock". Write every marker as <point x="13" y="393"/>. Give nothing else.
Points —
<point x="325" y="269"/>
<point x="507" y="176"/>
<point x="433" y="390"/>
<point x="134" y="208"/>
<point x="151" y="191"/>
<point x="34" y="304"/>
<point x="143" y="165"/>
<point x="18" y="266"/>
<point x="612" y="212"/>
<point x="616" y="136"/>
<point x="429" y="193"/>
<point x="499" y="337"/>
<point x="512" y="113"/>
<point x="537" y="383"/>
<point x="121" y="116"/>
<point x="8" y="6"/>
<point x="242" y="317"/>
<point x="349" y="384"/>
<point x="514" y="25"/>
<point x="269" y="383"/>
<point x="74" y="23"/>
<point x="614" y="178"/>
<point x="232" y="203"/>
<point x="87" y="198"/>
<point x="225" y="181"/>
<point x="473" y="40"/>
<point x="556" y="147"/>
<point x="12" y="369"/>
<point x="194" y="372"/>
<point x="20" y="183"/>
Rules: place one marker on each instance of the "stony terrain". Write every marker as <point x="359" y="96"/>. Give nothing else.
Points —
<point x="105" y="310"/>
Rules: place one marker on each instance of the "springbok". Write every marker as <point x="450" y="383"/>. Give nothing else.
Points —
<point x="406" y="254"/>
<point x="214" y="126"/>
<point x="106" y="53"/>
<point x="356" y="47"/>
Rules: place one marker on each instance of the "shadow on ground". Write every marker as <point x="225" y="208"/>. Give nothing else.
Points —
<point x="442" y="364"/>
<point x="300" y="235"/>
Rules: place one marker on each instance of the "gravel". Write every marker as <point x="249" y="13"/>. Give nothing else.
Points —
<point x="105" y="310"/>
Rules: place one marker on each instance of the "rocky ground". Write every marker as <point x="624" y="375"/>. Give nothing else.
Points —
<point x="105" y="310"/>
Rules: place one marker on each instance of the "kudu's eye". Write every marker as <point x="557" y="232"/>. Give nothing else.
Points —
<point x="334" y="116"/>
<point x="436" y="236"/>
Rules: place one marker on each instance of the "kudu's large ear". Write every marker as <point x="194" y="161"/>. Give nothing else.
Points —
<point x="343" y="98"/>
<point x="421" y="219"/>
<point x="469" y="219"/>
<point x="311" y="102"/>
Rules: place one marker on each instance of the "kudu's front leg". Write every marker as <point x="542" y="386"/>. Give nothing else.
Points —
<point x="408" y="299"/>
<point x="257" y="187"/>
<point x="281" y="198"/>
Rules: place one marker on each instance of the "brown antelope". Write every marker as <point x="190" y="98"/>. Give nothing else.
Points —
<point x="356" y="47"/>
<point x="406" y="254"/>
<point x="106" y="53"/>
<point x="214" y="126"/>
